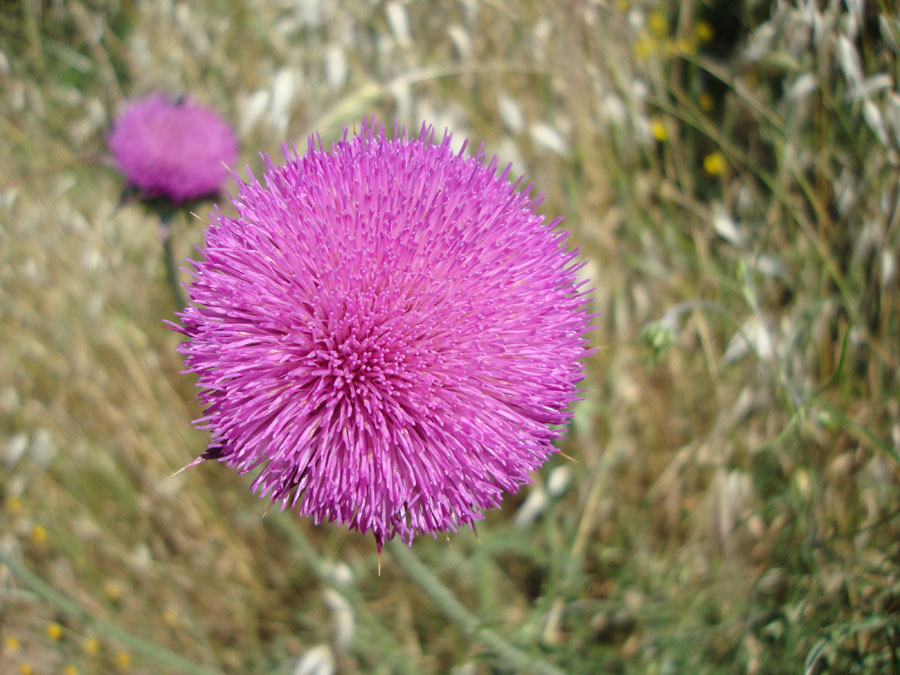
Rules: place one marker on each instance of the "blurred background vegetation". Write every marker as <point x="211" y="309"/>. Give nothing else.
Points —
<point x="729" y="169"/>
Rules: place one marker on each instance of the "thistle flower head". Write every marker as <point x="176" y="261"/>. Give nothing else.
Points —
<point x="388" y="331"/>
<point x="177" y="150"/>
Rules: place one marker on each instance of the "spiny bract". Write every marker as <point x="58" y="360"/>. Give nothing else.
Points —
<point x="388" y="331"/>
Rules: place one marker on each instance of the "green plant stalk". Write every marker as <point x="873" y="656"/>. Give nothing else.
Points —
<point x="513" y="658"/>
<point x="147" y="648"/>
<point x="165" y="236"/>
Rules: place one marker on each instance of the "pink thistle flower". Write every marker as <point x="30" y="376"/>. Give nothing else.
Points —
<point x="388" y="331"/>
<point x="175" y="150"/>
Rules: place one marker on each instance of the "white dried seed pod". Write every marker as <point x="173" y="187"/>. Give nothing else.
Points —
<point x="531" y="508"/>
<point x="753" y="335"/>
<point x="795" y="29"/>
<point x="558" y="481"/>
<point x="398" y="22"/>
<point x="471" y="9"/>
<point x="730" y="500"/>
<point x="871" y="86"/>
<point x="284" y="89"/>
<point x="467" y="668"/>
<point x="636" y="19"/>
<point x="15" y="449"/>
<point x="403" y="97"/>
<point x="612" y="110"/>
<point x="140" y="558"/>
<point x="888" y="269"/>
<point x="640" y="90"/>
<point x="335" y="67"/>
<point x="847" y="189"/>
<point x="510" y="112"/>
<point x="852" y="20"/>
<point x="338" y="572"/>
<point x="548" y="137"/>
<point x="344" y="620"/>
<point x="770" y="266"/>
<point x="848" y="60"/>
<point x="318" y="660"/>
<point x="892" y="113"/>
<point x="823" y="25"/>
<point x="760" y="42"/>
<point x="643" y="131"/>
<point x="308" y="14"/>
<point x="460" y="39"/>
<point x="726" y="227"/>
<point x="803" y="86"/>
<point x="869" y="237"/>
<point x="888" y="200"/>
<point x="873" y="118"/>
<point x="807" y="13"/>
<point x="252" y="110"/>
<point x="889" y="32"/>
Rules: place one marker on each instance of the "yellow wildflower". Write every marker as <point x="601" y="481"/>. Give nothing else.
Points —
<point x="54" y="631"/>
<point x="25" y="669"/>
<point x="10" y="645"/>
<point x="645" y="46"/>
<point x="123" y="660"/>
<point x="658" y="129"/>
<point x="684" y="46"/>
<point x="38" y="535"/>
<point x="659" y="24"/>
<point x="707" y="102"/>
<point x="704" y="31"/>
<point x="70" y="670"/>
<point x="112" y="590"/>
<point x="91" y="646"/>
<point x="714" y="163"/>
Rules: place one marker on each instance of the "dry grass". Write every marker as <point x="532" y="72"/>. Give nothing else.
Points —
<point x="735" y="501"/>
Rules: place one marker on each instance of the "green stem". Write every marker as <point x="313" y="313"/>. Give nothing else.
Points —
<point x="165" y="235"/>
<point x="512" y="657"/>
<point x="146" y="648"/>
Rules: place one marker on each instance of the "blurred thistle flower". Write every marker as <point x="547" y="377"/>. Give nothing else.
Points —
<point x="175" y="150"/>
<point x="388" y="330"/>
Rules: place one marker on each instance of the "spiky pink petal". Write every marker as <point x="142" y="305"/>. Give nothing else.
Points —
<point x="388" y="331"/>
